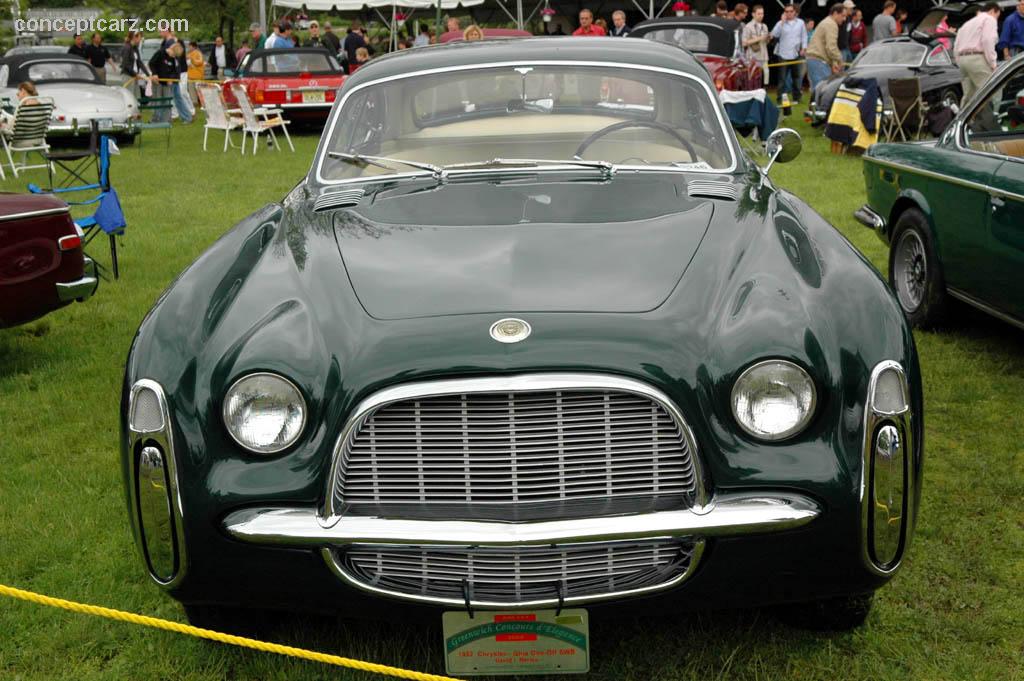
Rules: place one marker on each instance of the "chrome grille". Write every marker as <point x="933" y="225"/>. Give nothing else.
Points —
<point x="521" y="575"/>
<point x="146" y="416"/>
<point x="514" y="448"/>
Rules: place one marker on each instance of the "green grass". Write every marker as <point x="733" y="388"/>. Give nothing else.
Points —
<point x="956" y="610"/>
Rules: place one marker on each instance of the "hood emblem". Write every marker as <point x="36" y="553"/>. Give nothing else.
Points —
<point x="510" y="330"/>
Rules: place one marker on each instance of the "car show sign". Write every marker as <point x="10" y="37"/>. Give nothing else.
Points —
<point x="519" y="642"/>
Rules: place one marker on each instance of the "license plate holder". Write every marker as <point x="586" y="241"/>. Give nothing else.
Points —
<point x="105" y="123"/>
<point x="516" y="642"/>
<point x="314" y="97"/>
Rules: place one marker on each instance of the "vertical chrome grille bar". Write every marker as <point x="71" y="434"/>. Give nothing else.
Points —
<point x="373" y="461"/>
<point x="512" y="446"/>
<point x="420" y="472"/>
<point x="464" y="407"/>
<point x="608" y="442"/>
<point x="656" y="466"/>
<point x="560" y="427"/>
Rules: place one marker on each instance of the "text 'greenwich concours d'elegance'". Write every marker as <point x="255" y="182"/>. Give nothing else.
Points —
<point x="517" y="327"/>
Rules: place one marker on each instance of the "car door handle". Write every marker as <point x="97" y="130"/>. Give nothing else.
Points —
<point x="997" y="203"/>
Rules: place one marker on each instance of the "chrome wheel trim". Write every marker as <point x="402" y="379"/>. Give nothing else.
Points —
<point x="910" y="270"/>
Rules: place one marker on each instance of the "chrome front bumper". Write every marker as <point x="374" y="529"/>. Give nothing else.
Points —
<point x="726" y="515"/>
<point x="84" y="127"/>
<point x="866" y="216"/>
<point x="80" y="289"/>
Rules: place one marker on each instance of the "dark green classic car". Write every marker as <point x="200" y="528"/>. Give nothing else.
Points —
<point x="952" y="210"/>
<point x="532" y="333"/>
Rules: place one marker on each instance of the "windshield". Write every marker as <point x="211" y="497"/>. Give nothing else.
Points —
<point x="60" y="70"/>
<point x="697" y="38"/>
<point x="906" y="54"/>
<point x="295" y="62"/>
<point x="550" y="112"/>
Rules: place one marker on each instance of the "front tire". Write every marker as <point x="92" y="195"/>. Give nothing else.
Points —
<point x="915" y="273"/>
<point x="840" y="613"/>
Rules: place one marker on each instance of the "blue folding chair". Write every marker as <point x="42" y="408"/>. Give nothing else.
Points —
<point x="108" y="218"/>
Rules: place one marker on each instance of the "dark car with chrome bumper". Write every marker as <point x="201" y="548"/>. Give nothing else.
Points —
<point x="454" y="369"/>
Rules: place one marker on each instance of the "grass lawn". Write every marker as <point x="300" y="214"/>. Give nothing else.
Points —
<point x="956" y="610"/>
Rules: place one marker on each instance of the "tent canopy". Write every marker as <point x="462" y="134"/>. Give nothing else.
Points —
<point x="358" y="5"/>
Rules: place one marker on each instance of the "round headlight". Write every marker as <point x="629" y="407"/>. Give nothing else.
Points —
<point x="264" y="413"/>
<point x="773" y="400"/>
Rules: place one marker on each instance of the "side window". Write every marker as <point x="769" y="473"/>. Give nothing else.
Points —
<point x="939" y="57"/>
<point x="999" y="118"/>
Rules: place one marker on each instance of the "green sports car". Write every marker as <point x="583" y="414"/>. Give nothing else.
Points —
<point x="952" y="210"/>
<point x="533" y="332"/>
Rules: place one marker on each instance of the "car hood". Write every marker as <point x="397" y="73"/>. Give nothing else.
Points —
<point x="528" y="246"/>
<point x="83" y="98"/>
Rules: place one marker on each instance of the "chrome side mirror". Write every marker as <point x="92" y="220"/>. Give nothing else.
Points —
<point x="783" y="146"/>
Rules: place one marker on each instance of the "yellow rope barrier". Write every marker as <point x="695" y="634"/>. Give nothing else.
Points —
<point x="189" y="630"/>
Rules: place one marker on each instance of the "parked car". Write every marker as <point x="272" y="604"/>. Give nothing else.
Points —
<point x="957" y="14"/>
<point x="900" y="57"/>
<point x="952" y="210"/>
<point x="302" y="82"/>
<point x="509" y="345"/>
<point x="455" y="36"/>
<point x="715" y="41"/>
<point x="35" y="49"/>
<point x="42" y="266"/>
<point x="78" y="95"/>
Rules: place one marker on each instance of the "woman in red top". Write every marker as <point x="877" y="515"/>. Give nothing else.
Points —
<point x="858" y="32"/>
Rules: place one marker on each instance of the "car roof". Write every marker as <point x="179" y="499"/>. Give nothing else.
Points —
<point x="668" y="22"/>
<point x="256" y="54"/>
<point x="480" y="52"/>
<point x="16" y="61"/>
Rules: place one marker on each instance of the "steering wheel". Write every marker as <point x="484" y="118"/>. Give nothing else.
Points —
<point x="636" y="124"/>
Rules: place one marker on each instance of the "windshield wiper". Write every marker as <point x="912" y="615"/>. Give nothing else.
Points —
<point x="606" y="167"/>
<point x="386" y="162"/>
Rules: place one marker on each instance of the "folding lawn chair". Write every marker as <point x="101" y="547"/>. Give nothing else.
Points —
<point x="259" y="121"/>
<point x="108" y="218"/>
<point x="75" y="162"/>
<point x="28" y="134"/>
<point x="155" y="104"/>
<point x="216" y="111"/>
<point x="909" y="110"/>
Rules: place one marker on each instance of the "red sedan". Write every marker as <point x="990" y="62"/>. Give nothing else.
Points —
<point x="301" y="81"/>
<point x="42" y="266"/>
<point x="713" y="40"/>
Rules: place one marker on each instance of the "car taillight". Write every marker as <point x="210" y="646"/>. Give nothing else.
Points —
<point x="69" y="242"/>
<point x="258" y="96"/>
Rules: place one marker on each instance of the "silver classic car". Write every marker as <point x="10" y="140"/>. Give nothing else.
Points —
<point x="78" y="95"/>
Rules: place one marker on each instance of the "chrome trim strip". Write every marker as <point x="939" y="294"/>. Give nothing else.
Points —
<point x="984" y="307"/>
<point x="728" y="135"/>
<point x="332" y="562"/>
<point x="952" y="179"/>
<point x="867" y="216"/>
<point x="873" y="419"/>
<point x="34" y="213"/>
<point x="514" y="383"/>
<point x="727" y="515"/>
<point x="165" y="439"/>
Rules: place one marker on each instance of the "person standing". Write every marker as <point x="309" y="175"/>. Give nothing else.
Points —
<point x="242" y="51"/>
<point x="587" y="25"/>
<point x="196" y="70"/>
<point x="78" y="47"/>
<point x="790" y="36"/>
<point x="423" y="37"/>
<point x="221" y="58"/>
<point x="755" y="40"/>
<point x="330" y="39"/>
<point x="453" y="24"/>
<point x="98" y="56"/>
<point x="975" y="49"/>
<point x="132" y="65"/>
<point x="314" y="39"/>
<point x="165" y="69"/>
<point x="258" y="39"/>
<point x="901" y="20"/>
<point x="739" y="12"/>
<point x="354" y="40"/>
<point x="858" y="33"/>
<point x="823" y="55"/>
<point x="619" y="27"/>
<point x="884" y="25"/>
<point x="1011" y="41"/>
<point x="844" y="31"/>
<point x="271" y="41"/>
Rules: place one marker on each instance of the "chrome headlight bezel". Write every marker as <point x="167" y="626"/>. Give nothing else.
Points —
<point x="273" y="448"/>
<point x="747" y="375"/>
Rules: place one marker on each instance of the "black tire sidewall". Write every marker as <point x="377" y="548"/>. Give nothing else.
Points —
<point x="933" y="303"/>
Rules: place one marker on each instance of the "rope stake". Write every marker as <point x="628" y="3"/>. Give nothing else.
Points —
<point x="189" y="630"/>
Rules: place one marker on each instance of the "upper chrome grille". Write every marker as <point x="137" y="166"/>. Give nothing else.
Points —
<point x="713" y="189"/>
<point x="516" y="447"/>
<point x="516" y="576"/>
<point x="338" y="199"/>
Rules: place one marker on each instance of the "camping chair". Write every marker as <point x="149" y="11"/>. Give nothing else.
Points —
<point x="75" y="162"/>
<point x="28" y="133"/>
<point x="108" y="218"/>
<point x="216" y="111"/>
<point x="155" y="104"/>
<point x="909" y="110"/>
<point x="254" y="124"/>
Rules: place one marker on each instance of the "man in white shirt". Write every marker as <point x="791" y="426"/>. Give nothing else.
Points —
<point x="220" y="58"/>
<point x="975" y="49"/>
<point x="755" y="39"/>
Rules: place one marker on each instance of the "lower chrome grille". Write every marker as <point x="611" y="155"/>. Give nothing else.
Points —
<point x="516" y="447"/>
<point x="503" y="576"/>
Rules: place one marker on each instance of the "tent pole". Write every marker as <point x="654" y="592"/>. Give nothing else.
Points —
<point x="437" y="21"/>
<point x="263" y="17"/>
<point x="519" y="14"/>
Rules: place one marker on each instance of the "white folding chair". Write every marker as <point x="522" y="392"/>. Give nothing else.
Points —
<point x="266" y="120"/>
<point x="28" y="133"/>
<point x="216" y="111"/>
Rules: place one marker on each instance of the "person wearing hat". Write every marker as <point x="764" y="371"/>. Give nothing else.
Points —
<point x="258" y="39"/>
<point x="844" y="31"/>
<point x="315" y="39"/>
<point x="330" y="40"/>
